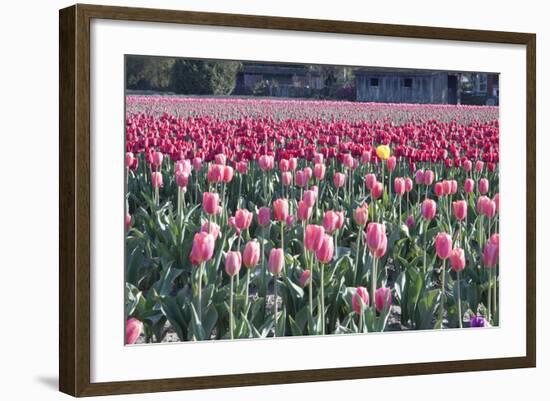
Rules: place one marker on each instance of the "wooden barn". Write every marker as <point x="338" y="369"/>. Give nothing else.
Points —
<point x="407" y="86"/>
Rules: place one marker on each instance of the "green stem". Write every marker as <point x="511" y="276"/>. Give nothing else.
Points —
<point x="275" y="304"/>
<point x="357" y="255"/>
<point x="489" y="272"/>
<point x="323" y="298"/>
<point x="442" y="301"/>
<point x="373" y="278"/>
<point x="459" y="300"/>
<point x="231" y="317"/>
<point x="199" y="306"/>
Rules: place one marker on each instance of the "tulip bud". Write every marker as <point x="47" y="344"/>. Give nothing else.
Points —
<point x="377" y="190"/>
<point x="410" y="221"/>
<point x="370" y="180"/>
<point x="339" y="180"/>
<point x="232" y="263"/>
<point x="318" y="158"/>
<point x="419" y="177"/>
<point x="460" y="209"/>
<point x="399" y="186"/>
<point x="243" y="219"/>
<point x="211" y="228"/>
<point x="129" y="159"/>
<point x="319" y="171"/>
<point x="227" y="174"/>
<point x="483" y="186"/>
<point x="280" y="209"/>
<point x="305" y="278"/>
<point x="392" y="162"/>
<point x="203" y="247"/>
<point x="251" y="254"/>
<point x="156" y="179"/>
<point x="283" y="165"/>
<point x="361" y="215"/>
<point x="429" y="208"/>
<point x="264" y="216"/>
<point x="467" y="166"/>
<point x="313" y="237"/>
<point x="458" y="260"/>
<point x="220" y="158"/>
<point x="376" y="239"/>
<point x="210" y="202"/>
<point x="490" y="254"/>
<point x="182" y="179"/>
<point x="286" y="178"/>
<point x="310" y="197"/>
<point x="326" y="251"/>
<point x="127" y="221"/>
<point x="301" y="178"/>
<point x="382" y="298"/>
<point x="479" y="166"/>
<point x="469" y="185"/>
<point x="429" y="177"/>
<point x="443" y="245"/>
<point x="242" y="167"/>
<point x="360" y="300"/>
<point x="304" y="211"/>
<point x="330" y="221"/>
<point x="276" y="261"/>
<point x="408" y="184"/>
<point x="133" y="330"/>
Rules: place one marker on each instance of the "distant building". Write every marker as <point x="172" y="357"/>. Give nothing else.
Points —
<point x="407" y="86"/>
<point x="284" y="80"/>
<point x="483" y="88"/>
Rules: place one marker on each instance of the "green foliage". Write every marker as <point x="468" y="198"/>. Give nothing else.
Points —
<point x="201" y="77"/>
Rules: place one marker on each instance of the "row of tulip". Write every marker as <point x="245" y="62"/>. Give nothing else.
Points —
<point x="339" y="240"/>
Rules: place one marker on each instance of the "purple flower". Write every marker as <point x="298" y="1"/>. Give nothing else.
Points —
<point x="478" y="321"/>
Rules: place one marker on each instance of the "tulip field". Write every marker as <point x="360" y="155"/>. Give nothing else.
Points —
<point x="257" y="218"/>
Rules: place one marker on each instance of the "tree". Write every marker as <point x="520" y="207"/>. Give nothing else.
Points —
<point x="201" y="77"/>
<point x="148" y="73"/>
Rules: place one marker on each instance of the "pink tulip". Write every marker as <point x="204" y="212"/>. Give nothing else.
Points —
<point x="365" y="157"/>
<point x="305" y="277"/>
<point x="318" y="158"/>
<point x="210" y="202"/>
<point x="490" y="254"/>
<point x="304" y="211"/>
<point x="264" y="216"/>
<point x="183" y="166"/>
<point x="467" y="166"/>
<point x="460" y="209"/>
<point x="308" y="172"/>
<point x="496" y="199"/>
<point x="220" y="158"/>
<point x="182" y="179"/>
<point x="266" y="162"/>
<point x="203" y="247"/>
<point x="133" y="330"/>
<point x="382" y="298"/>
<point x="326" y="251"/>
<point x="211" y="228"/>
<point x="197" y="163"/>
<point x="127" y="221"/>
<point x="232" y="263"/>
<point x="377" y="190"/>
<point x="391" y="163"/>
<point x="283" y="165"/>
<point x="227" y="174"/>
<point x="276" y="261"/>
<point x="376" y="238"/>
<point x="399" y="186"/>
<point x="489" y="208"/>
<point x="429" y="177"/>
<point x="429" y="208"/>
<point x="483" y="186"/>
<point x="310" y="197"/>
<point x="293" y="163"/>
<point x="313" y="237"/>
<point x="408" y="184"/>
<point x="330" y="221"/>
<point x="242" y="167"/>
<point x="339" y="180"/>
<point x="479" y="166"/>
<point x="348" y="160"/>
<point x="289" y="221"/>
<point x="251" y="254"/>
<point x="243" y="219"/>
<point x="458" y="260"/>
<point x="419" y="177"/>
<point x="156" y="179"/>
<point x="361" y="215"/>
<point x="129" y="159"/>
<point x="340" y="220"/>
<point x="469" y="185"/>
<point x="215" y="173"/>
<point x="410" y="221"/>
<point x="280" y="209"/>
<point x="286" y="178"/>
<point x="157" y="159"/>
<point x="301" y="178"/>
<point x="443" y="245"/>
<point x="360" y="300"/>
<point x="481" y="204"/>
<point x="370" y="180"/>
<point x="494" y="239"/>
<point x="454" y="187"/>
<point x="319" y="171"/>
<point x="438" y="189"/>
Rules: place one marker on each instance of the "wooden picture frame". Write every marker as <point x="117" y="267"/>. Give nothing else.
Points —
<point x="75" y="207"/>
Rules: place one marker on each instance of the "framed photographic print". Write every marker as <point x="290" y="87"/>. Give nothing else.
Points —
<point x="323" y="194"/>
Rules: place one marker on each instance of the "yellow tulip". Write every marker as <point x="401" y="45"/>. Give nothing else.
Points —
<point x="383" y="152"/>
